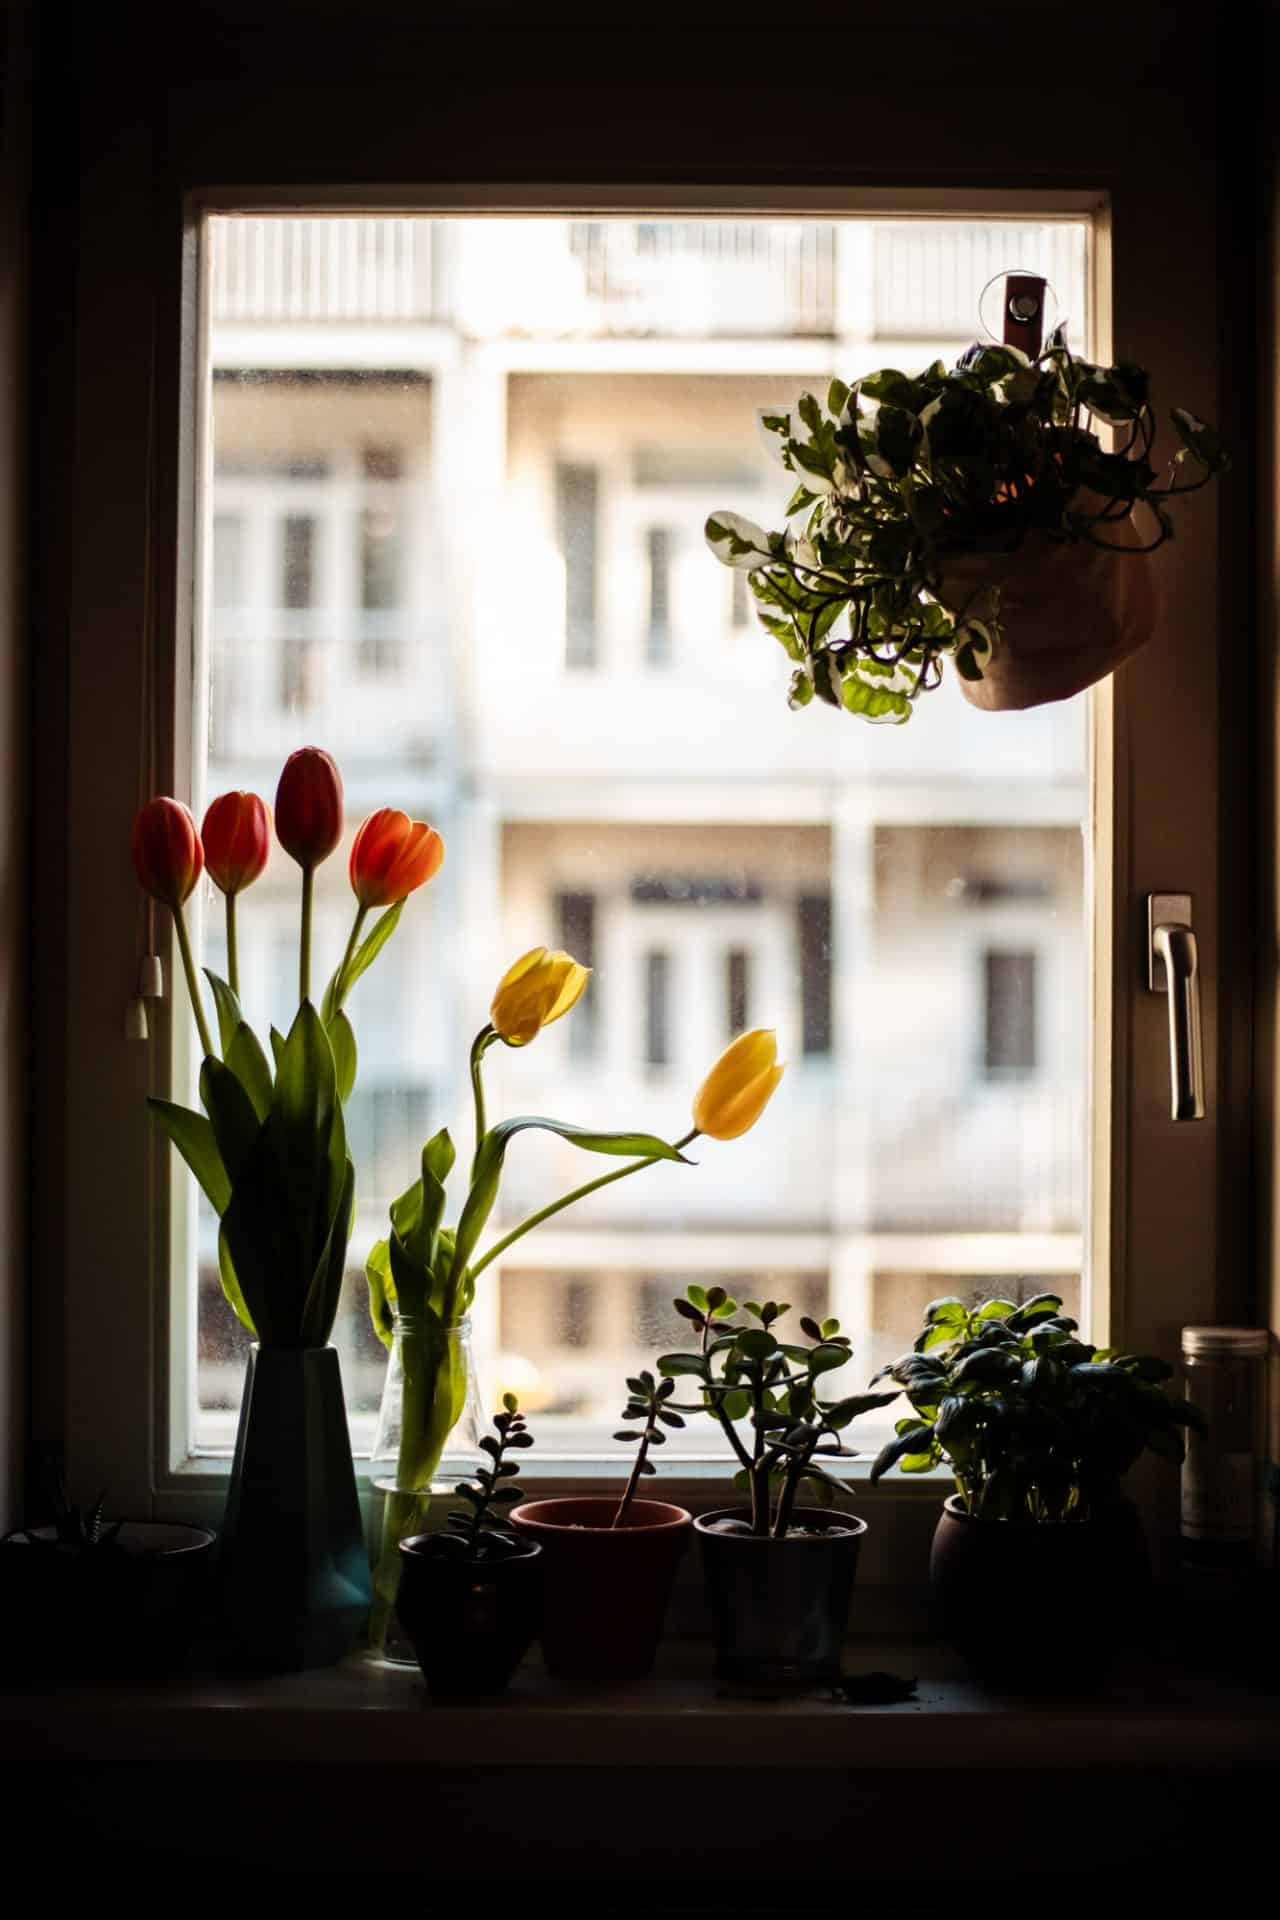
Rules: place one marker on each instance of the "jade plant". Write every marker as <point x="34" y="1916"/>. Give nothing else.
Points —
<point x="1035" y="1424"/>
<point x="899" y="474"/>
<point x="765" y="1394"/>
<point x="479" y="1531"/>
<point x="648" y="1402"/>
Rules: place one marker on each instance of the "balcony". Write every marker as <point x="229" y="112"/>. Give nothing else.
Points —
<point x="928" y="275"/>
<point x="277" y="268"/>
<point x="693" y="277"/>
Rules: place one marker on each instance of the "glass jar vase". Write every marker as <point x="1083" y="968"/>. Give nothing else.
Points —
<point x="430" y="1424"/>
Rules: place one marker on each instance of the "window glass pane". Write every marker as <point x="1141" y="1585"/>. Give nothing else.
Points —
<point x="456" y="512"/>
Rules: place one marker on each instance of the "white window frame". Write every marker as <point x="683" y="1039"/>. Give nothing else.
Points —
<point x="1156" y="1199"/>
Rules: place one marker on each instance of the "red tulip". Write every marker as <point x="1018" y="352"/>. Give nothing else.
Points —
<point x="309" y="806"/>
<point x="237" y="840"/>
<point x="391" y="856"/>
<point x="167" y="854"/>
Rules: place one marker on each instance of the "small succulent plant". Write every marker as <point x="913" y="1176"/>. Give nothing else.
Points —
<point x="480" y="1531"/>
<point x="648" y="1402"/>
<point x="75" y="1531"/>
<point x="747" y="1376"/>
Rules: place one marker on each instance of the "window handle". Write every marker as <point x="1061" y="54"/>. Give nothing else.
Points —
<point x="1173" y="968"/>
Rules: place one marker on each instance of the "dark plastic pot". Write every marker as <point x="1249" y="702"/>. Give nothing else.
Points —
<point x="780" y="1607"/>
<point x="471" y="1624"/>
<point x="605" y="1589"/>
<point x="1037" y="1608"/>
<point x="295" y="1584"/>
<point x="130" y="1607"/>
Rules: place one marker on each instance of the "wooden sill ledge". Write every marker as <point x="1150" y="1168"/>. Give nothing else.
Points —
<point x="365" y="1713"/>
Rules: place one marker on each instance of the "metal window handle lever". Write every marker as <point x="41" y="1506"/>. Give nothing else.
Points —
<point x="1173" y="968"/>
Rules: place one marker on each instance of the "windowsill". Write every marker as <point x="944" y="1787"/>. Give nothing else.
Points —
<point x="363" y="1713"/>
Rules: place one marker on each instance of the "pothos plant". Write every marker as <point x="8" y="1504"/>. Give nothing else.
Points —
<point x="898" y="474"/>
<point x="1035" y="1424"/>
<point x="764" y="1393"/>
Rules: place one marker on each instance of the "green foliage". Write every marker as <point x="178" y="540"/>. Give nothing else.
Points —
<point x="748" y="1375"/>
<point x="899" y="474"/>
<point x="480" y="1531"/>
<point x="76" y="1532"/>
<point x="1035" y="1424"/>
<point x="648" y="1401"/>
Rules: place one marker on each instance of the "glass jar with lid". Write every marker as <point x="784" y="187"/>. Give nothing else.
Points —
<point x="1224" y="1474"/>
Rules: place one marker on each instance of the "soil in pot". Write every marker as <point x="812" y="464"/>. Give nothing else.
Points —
<point x="1040" y="1608"/>
<point x="605" y="1588"/>
<point x="471" y="1622"/>
<point x="130" y="1606"/>
<point x="780" y="1607"/>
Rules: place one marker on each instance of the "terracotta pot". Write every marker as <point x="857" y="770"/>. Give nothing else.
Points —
<point x="471" y="1623"/>
<point x="130" y="1607"/>
<point x="780" y="1607"/>
<point x="1037" y="1608"/>
<point x="1070" y="613"/>
<point x="605" y="1589"/>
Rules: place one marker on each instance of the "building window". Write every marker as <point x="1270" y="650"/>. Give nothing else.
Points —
<point x="379" y="559"/>
<point x="658" y="556"/>
<point x="737" y="984"/>
<point x="1010" y="982"/>
<point x="228" y="560"/>
<point x="814" y="927"/>
<point x="300" y="689"/>
<point x="657" y="1008"/>
<point x="576" y="1323"/>
<point x="577" y="509"/>
<point x="576" y="934"/>
<point x="297" y="561"/>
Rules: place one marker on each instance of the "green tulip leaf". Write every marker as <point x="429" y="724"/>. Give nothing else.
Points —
<point x="231" y="1286"/>
<point x="192" y="1134"/>
<point x="231" y="1112"/>
<point x="345" y="977"/>
<point x="343" y="1041"/>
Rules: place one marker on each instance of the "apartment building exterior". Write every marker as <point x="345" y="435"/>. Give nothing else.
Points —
<point x="460" y="471"/>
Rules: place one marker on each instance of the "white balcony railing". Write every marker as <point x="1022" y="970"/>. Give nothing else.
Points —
<point x="928" y="275"/>
<point x="708" y="276"/>
<point x="276" y="267"/>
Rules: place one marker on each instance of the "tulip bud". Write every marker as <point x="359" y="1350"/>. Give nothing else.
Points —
<point x="309" y="806"/>
<point x="392" y="856"/>
<point x="167" y="855"/>
<point x="237" y="839"/>
<point x="739" y="1086"/>
<point x="536" y="990"/>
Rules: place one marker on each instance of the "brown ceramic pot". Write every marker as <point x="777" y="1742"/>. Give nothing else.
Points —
<point x="1070" y="612"/>
<point x="605" y="1589"/>
<point x="1036" y="1608"/>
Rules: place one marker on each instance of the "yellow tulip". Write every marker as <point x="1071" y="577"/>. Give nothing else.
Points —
<point x="536" y="990"/>
<point x="739" y="1086"/>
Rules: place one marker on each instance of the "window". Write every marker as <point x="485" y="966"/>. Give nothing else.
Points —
<point x="575" y="915"/>
<point x="737" y="983"/>
<point x="657" y="1008"/>
<point x="841" y="841"/>
<point x="1010" y="984"/>
<point x="297" y="560"/>
<point x="658" y="556"/>
<point x="576" y="490"/>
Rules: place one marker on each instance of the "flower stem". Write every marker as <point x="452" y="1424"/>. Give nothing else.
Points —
<point x="340" y="992"/>
<point x="233" y="954"/>
<point x="479" y="1047"/>
<point x="567" y="1200"/>
<point x="633" y="1481"/>
<point x="193" y="987"/>
<point x="304" y="942"/>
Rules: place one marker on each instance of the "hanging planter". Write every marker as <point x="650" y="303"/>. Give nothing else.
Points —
<point x="970" y="513"/>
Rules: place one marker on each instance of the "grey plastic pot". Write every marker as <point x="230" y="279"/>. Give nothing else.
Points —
<point x="780" y="1607"/>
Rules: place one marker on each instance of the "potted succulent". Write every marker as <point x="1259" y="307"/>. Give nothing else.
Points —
<point x="970" y="513"/>
<point x="90" y="1595"/>
<point x="1037" y="1552"/>
<point x="422" y="1277"/>
<point x="270" y="1151"/>
<point x="610" y="1563"/>
<point x="470" y="1595"/>
<point x="779" y="1574"/>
